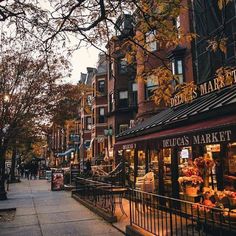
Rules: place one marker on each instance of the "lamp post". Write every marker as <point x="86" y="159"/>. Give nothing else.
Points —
<point x="3" y="194"/>
<point x="3" y="131"/>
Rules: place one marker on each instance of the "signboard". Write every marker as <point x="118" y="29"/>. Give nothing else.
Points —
<point x="57" y="182"/>
<point x="213" y="137"/>
<point x="74" y="171"/>
<point x="203" y="89"/>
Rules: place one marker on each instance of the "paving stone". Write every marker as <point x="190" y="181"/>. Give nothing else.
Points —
<point x="21" y="231"/>
<point x="42" y="212"/>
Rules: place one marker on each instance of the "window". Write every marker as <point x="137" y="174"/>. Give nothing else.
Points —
<point x="177" y="69"/>
<point x="111" y="102"/>
<point x="89" y="100"/>
<point x="123" y="127"/>
<point x="151" y="41"/>
<point x="134" y="95"/>
<point x="150" y="87"/>
<point x="177" y="25"/>
<point x="101" y="117"/>
<point x="101" y="86"/>
<point x="88" y="124"/>
<point x="123" y="66"/>
<point x="123" y="99"/>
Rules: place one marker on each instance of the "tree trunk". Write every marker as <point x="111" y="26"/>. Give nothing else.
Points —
<point x="3" y="194"/>
<point x="13" y="164"/>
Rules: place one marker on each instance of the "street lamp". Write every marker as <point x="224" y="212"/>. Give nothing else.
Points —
<point x="3" y="194"/>
<point x="3" y="132"/>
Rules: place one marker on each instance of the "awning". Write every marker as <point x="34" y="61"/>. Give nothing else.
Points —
<point x="211" y="111"/>
<point x="66" y="153"/>
<point x="200" y="127"/>
<point x="215" y="105"/>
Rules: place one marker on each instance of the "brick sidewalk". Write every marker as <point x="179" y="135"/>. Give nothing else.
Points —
<point x="39" y="211"/>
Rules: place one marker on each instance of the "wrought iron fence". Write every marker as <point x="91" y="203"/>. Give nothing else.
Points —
<point x="164" y="216"/>
<point x="99" y="194"/>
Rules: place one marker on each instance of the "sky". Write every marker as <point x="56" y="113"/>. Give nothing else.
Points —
<point x="81" y="59"/>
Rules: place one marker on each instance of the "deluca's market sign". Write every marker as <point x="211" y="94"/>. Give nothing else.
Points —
<point x="202" y="89"/>
<point x="205" y="138"/>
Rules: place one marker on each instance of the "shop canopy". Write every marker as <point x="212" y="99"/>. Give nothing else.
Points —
<point x="210" y="111"/>
<point x="66" y="153"/>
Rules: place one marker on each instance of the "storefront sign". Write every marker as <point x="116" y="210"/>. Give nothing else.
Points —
<point x="202" y="89"/>
<point x="129" y="146"/>
<point x="203" y="138"/>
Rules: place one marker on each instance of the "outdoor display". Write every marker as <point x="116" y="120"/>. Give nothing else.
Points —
<point x="57" y="182"/>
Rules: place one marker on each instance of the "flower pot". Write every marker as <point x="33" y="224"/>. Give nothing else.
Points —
<point x="191" y="190"/>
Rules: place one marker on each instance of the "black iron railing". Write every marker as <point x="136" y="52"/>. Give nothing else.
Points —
<point x="99" y="194"/>
<point x="164" y="216"/>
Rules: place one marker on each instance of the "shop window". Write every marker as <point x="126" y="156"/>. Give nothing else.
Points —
<point x="230" y="168"/>
<point x="123" y="127"/>
<point x="153" y="162"/>
<point x="177" y="69"/>
<point x="101" y="118"/>
<point x="167" y="171"/>
<point x="123" y="99"/>
<point x="101" y="86"/>
<point x="141" y="171"/>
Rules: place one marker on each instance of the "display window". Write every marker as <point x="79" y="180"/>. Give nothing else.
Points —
<point x="129" y="167"/>
<point x="141" y="171"/>
<point x="230" y="168"/>
<point x="166" y="152"/>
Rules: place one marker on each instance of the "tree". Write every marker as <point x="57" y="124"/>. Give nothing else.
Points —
<point x="27" y="94"/>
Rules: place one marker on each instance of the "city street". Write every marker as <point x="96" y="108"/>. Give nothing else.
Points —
<point x="39" y="211"/>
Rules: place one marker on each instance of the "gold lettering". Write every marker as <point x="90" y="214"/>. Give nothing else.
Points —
<point x="202" y="139"/>
<point x="203" y="89"/>
<point x="196" y="139"/>
<point x="210" y="87"/>
<point x="222" y="136"/>
<point x="228" y="134"/>
<point x="216" y="84"/>
<point x="208" y="138"/>
<point x="214" y="137"/>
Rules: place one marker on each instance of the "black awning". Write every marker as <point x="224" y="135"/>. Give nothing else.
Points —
<point x="210" y="106"/>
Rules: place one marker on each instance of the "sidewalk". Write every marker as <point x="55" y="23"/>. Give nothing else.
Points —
<point x="41" y="212"/>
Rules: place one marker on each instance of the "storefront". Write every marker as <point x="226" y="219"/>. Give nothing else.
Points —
<point x="195" y="137"/>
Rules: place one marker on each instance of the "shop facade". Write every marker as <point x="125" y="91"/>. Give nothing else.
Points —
<point x="199" y="135"/>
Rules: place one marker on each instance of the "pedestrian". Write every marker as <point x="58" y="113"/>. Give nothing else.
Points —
<point x="27" y="170"/>
<point x="22" y="169"/>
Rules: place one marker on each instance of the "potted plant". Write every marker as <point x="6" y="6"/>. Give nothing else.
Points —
<point x="190" y="184"/>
